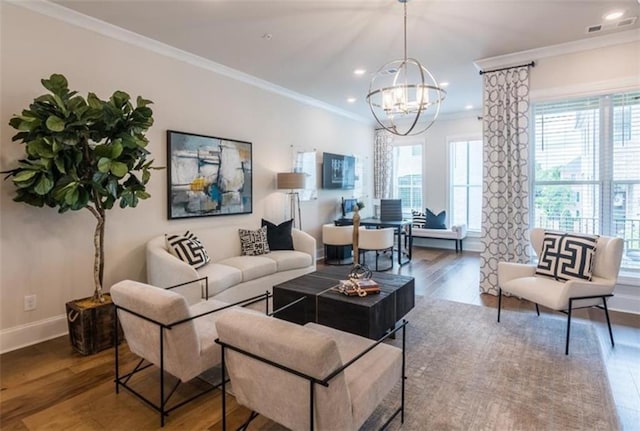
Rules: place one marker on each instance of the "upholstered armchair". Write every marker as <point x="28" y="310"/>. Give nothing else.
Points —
<point x="559" y="282"/>
<point x="164" y="331"/>
<point x="376" y="240"/>
<point x="307" y="377"/>
<point x="335" y="240"/>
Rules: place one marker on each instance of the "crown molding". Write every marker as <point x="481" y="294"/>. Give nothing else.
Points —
<point x="95" y="25"/>
<point x="629" y="83"/>
<point x="559" y="49"/>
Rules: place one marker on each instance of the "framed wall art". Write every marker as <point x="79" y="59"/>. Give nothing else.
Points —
<point x="208" y="176"/>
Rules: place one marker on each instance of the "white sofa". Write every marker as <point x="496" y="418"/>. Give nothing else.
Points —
<point x="231" y="277"/>
<point x="455" y="232"/>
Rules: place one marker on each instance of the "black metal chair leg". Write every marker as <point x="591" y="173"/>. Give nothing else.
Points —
<point x="606" y="313"/>
<point x="537" y="309"/>
<point x="566" y="350"/>
<point x="224" y="391"/>
<point x="499" y="302"/>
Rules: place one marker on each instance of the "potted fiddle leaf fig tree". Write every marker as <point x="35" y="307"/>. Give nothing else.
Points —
<point x="84" y="154"/>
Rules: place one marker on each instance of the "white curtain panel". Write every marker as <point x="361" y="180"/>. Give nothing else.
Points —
<point x="382" y="164"/>
<point x="505" y="200"/>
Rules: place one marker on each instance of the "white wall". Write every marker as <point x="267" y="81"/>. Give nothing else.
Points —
<point x="50" y="255"/>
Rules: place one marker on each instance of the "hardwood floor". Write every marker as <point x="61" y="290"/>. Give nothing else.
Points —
<point x="48" y="386"/>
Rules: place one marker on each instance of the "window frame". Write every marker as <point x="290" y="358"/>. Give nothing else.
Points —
<point x="408" y="142"/>
<point x="450" y="186"/>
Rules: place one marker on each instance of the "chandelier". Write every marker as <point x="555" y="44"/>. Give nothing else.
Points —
<point x="404" y="97"/>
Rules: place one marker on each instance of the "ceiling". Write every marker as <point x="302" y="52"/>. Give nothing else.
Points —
<point x="313" y="47"/>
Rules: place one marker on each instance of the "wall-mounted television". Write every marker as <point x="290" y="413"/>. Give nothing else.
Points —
<point x="338" y="171"/>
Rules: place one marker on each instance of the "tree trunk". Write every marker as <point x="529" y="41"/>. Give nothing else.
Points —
<point x="98" y="262"/>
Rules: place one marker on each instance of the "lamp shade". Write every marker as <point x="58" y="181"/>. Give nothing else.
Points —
<point x="290" y="180"/>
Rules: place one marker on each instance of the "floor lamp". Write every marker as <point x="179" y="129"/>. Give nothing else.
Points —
<point x="292" y="181"/>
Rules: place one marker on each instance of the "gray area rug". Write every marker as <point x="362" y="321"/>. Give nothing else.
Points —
<point x="465" y="371"/>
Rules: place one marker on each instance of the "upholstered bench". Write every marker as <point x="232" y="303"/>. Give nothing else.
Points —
<point x="456" y="233"/>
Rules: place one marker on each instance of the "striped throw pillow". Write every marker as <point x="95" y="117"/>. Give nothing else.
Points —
<point x="418" y="219"/>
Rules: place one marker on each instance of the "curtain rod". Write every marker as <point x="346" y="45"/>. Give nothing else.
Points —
<point x="532" y="64"/>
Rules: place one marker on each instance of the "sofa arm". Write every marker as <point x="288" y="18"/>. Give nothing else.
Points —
<point x="460" y="230"/>
<point x="508" y="271"/>
<point x="305" y="243"/>
<point x="165" y="270"/>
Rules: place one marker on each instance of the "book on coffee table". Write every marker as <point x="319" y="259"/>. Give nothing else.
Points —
<point x="355" y="287"/>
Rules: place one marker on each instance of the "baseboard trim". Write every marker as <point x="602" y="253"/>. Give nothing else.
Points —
<point x="32" y="333"/>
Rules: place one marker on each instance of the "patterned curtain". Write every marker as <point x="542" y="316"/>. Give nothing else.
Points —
<point x="505" y="191"/>
<point x="382" y="164"/>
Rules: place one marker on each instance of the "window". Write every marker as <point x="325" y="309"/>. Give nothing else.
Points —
<point x="466" y="183"/>
<point x="586" y="155"/>
<point x="407" y="177"/>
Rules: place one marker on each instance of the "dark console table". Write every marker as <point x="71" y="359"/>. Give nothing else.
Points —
<point x="370" y="316"/>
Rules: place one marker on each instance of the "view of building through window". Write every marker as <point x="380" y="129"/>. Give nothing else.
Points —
<point x="407" y="177"/>
<point x="587" y="175"/>
<point x="465" y="167"/>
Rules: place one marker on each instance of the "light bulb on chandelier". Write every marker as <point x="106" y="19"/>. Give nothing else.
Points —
<point x="404" y="97"/>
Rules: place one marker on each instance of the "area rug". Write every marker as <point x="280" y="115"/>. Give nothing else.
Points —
<point x="465" y="371"/>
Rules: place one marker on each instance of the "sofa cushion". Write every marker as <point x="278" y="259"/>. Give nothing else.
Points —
<point x="567" y="256"/>
<point x="252" y="267"/>
<point x="434" y="221"/>
<point x="287" y="260"/>
<point x="187" y="248"/>
<point x="279" y="236"/>
<point x="220" y="276"/>
<point x="253" y="242"/>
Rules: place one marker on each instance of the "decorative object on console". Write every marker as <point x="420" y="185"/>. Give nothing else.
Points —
<point x="75" y="159"/>
<point x="292" y="181"/>
<point x="566" y="256"/>
<point x="254" y="242"/>
<point x="433" y="221"/>
<point x="188" y="248"/>
<point x="208" y="176"/>
<point x="279" y="236"/>
<point x="404" y="97"/>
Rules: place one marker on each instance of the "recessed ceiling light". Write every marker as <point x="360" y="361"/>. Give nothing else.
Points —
<point x="351" y="99"/>
<point x="444" y="84"/>
<point x="359" y="72"/>
<point x="468" y="107"/>
<point x="614" y="15"/>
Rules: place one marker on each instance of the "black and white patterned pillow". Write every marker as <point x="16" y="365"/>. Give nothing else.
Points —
<point x="187" y="248"/>
<point x="254" y="242"/>
<point x="567" y="256"/>
<point x="418" y="219"/>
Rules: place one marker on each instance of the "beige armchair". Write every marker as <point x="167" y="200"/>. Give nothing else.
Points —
<point x="522" y="281"/>
<point x="307" y="377"/>
<point x="336" y="240"/>
<point x="164" y="331"/>
<point x="376" y="240"/>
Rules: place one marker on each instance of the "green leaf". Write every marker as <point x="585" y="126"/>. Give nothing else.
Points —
<point x="94" y="101"/>
<point x="104" y="164"/>
<point x="146" y="175"/>
<point x="55" y="124"/>
<point x="112" y="188"/>
<point x="119" y="169"/>
<point x="56" y="83"/>
<point x="142" y="194"/>
<point x="43" y="186"/>
<point x="59" y="161"/>
<point x="140" y="102"/>
<point x="72" y="195"/>
<point x="116" y="148"/>
<point x="24" y="176"/>
<point x="120" y="98"/>
<point x="103" y="151"/>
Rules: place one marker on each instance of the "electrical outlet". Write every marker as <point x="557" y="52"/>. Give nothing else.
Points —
<point x="30" y="302"/>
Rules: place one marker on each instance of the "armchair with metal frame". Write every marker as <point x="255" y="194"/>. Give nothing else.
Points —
<point x="184" y="345"/>
<point x="520" y="280"/>
<point x="317" y="377"/>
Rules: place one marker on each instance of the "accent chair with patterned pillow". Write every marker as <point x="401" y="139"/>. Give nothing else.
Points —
<point x="187" y="248"/>
<point x="254" y="242"/>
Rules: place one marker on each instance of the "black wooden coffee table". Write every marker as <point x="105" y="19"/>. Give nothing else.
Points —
<point x="370" y="316"/>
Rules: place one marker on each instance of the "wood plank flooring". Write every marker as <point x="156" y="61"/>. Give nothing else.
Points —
<point x="49" y="387"/>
